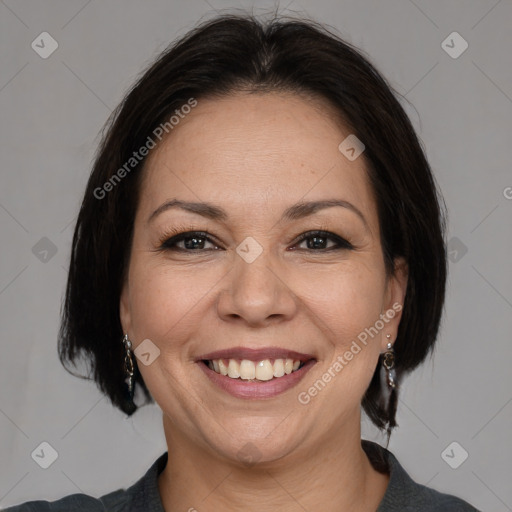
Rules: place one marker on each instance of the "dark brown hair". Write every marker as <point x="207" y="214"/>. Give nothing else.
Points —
<point x="241" y="53"/>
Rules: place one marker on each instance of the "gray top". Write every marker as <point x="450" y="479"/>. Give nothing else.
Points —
<point x="402" y="493"/>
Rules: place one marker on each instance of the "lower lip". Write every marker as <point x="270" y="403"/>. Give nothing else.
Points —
<point x="256" y="389"/>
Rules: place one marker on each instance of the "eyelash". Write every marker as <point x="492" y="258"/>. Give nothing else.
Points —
<point x="175" y="235"/>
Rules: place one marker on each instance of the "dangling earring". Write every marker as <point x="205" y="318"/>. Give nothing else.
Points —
<point x="128" y="367"/>
<point x="389" y="364"/>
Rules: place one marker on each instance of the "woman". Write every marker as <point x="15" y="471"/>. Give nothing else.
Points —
<point x="260" y="250"/>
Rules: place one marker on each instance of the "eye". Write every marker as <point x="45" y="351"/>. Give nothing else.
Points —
<point x="196" y="241"/>
<point x="192" y="241"/>
<point x="319" y="241"/>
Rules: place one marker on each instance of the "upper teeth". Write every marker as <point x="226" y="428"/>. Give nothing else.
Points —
<point x="247" y="370"/>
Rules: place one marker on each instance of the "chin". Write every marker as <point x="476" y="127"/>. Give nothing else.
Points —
<point x="261" y="444"/>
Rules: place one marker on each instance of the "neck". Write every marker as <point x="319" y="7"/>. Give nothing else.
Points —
<point x="335" y="476"/>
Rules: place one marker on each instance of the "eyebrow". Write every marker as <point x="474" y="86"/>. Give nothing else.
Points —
<point x="294" y="212"/>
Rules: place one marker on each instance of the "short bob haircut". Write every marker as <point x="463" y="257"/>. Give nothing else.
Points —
<point x="240" y="53"/>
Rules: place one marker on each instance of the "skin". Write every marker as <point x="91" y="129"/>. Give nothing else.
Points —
<point x="254" y="155"/>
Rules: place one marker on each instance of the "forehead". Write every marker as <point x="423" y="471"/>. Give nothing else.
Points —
<point x="248" y="151"/>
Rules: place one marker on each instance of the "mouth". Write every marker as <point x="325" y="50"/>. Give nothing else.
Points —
<point x="261" y="373"/>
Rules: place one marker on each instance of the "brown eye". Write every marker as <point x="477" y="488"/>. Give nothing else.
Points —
<point x="192" y="241"/>
<point x="319" y="241"/>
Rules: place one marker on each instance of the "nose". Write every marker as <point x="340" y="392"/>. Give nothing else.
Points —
<point x="256" y="294"/>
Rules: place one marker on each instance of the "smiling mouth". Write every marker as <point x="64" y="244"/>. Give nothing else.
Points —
<point x="254" y="371"/>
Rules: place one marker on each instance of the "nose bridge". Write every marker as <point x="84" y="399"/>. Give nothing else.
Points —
<point x="255" y="278"/>
<point x="255" y="291"/>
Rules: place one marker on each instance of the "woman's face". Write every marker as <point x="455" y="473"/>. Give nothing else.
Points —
<point x="249" y="292"/>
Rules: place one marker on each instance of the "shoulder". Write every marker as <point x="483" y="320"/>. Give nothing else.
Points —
<point x="143" y="495"/>
<point x="430" y="500"/>
<point x="113" y="502"/>
<point x="403" y="493"/>
<point x="78" y="502"/>
<point x="425" y="499"/>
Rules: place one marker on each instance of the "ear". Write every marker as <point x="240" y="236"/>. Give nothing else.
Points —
<point x="393" y="304"/>
<point x="124" y="308"/>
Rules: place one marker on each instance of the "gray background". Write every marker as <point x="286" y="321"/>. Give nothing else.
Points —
<point x="52" y="111"/>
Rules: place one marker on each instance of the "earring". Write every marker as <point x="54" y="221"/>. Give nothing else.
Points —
<point x="128" y="366"/>
<point x="389" y="364"/>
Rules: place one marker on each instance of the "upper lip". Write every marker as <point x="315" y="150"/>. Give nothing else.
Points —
<point x="258" y="354"/>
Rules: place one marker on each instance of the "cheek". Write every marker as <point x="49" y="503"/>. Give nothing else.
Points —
<point x="346" y="311"/>
<point x="163" y="300"/>
<point x="163" y="304"/>
<point x="346" y="299"/>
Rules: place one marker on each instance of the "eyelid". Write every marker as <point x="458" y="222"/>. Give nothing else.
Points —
<point x="182" y="230"/>
<point x="182" y="235"/>
<point x="179" y="233"/>
<point x="341" y="242"/>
